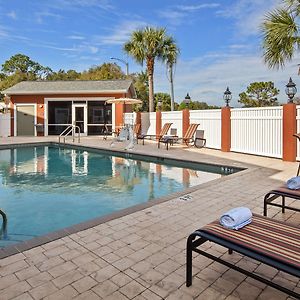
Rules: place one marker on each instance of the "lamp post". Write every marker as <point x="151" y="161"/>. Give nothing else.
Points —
<point x="124" y="62"/>
<point x="187" y="100"/>
<point x="227" y="96"/>
<point x="291" y="90"/>
<point x="159" y="105"/>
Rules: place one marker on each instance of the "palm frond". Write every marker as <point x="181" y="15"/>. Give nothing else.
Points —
<point x="280" y="37"/>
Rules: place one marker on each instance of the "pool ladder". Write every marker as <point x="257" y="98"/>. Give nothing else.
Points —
<point x="3" y="230"/>
<point x="71" y="129"/>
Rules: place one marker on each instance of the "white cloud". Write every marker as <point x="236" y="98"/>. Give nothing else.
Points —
<point x="121" y="33"/>
<point x="40" y="16"/>
<point x="191" y="8"/>
<point x="208" y="82"/>
<point x="12" y="14"/>
<point x="175" y="15"/>
<point x="248" y="14"/>
<point x="76" y="37"/>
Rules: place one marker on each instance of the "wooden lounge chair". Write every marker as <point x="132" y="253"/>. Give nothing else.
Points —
<point x="188" y="138"/>
<point x="271" y="242"/>
<point x="282" y="192"/>
<point x="163" y="132"/>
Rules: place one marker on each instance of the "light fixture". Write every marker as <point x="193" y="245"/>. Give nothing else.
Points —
<point x="291" y="90"/>
<point x="227" y="96"/>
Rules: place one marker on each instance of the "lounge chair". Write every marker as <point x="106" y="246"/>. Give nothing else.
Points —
<point x="200" y="141"/>
<point x="188" y="138"/>
<point x="282" y="192"/>
<point x="163" y="132"/>
<point x="271" y="242"/>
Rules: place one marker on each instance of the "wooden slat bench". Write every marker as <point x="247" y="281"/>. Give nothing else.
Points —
<point x="271" y="242"/>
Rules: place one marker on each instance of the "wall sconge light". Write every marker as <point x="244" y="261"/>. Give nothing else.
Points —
<point x="41" y="105"/>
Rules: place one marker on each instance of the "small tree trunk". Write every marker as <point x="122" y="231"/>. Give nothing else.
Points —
<point x="150" y="70"/>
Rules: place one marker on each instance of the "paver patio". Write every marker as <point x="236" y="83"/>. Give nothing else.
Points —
<point x="142" y="255"/>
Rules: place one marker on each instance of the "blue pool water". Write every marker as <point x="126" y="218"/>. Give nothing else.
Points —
<point x="45" y="188"/>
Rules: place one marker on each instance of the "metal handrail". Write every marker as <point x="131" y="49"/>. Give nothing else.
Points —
<point x="3" y="214"/>
<point x="67" y="131"/>
<point x="3" y="230"/>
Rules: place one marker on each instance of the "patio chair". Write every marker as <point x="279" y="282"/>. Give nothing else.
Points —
<point x="268" y="241"/>
<point x="163" y="132"/>
<point x="282" y="192"/>
<point x="188" y="138"/>
<point x="136" y="129"/>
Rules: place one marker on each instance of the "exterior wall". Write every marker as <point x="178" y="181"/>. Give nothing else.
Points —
<point x="39" y="100"/>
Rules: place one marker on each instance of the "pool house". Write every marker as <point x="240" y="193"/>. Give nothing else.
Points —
<point x="42" y="108"/>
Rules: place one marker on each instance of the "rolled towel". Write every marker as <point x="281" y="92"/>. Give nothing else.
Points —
<point x="293" y="183"/>
<point x="236" y="218"/>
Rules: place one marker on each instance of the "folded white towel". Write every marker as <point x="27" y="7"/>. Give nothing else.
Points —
<point x="236" y="218"/>
<point x="293" y="183"/>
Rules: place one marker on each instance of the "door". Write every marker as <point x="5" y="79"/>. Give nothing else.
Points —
<point x="25" y="120"/>
<point x="80" y="118"/>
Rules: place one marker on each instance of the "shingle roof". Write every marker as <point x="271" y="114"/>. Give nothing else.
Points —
<point x="67" y="87"/>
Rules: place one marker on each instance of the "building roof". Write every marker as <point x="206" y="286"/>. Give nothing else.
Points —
<point x="70" y="87"/>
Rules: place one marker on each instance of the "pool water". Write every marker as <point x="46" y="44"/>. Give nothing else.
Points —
<point x="47" y="188"/>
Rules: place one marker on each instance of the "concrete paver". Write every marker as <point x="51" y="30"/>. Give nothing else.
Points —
<point x="142" y="255"/>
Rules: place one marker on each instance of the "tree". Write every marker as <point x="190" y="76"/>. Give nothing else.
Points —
<point x="104" y="72"/>
<point x="63" y="75"/>
<point x="259" y="94"/>
<point x="149" y="44"/>
<point x="196" y="105"/>
<point x="22" y="64"/>
<point x="280" y="31"/>
<point x="140" y="82"/>
<point x="165" y="100"/>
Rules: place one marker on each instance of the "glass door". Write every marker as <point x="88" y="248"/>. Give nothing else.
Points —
<point x="80" y="118"/>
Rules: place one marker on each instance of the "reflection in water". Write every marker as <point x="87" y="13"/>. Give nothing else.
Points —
<point x="43" y="189"/>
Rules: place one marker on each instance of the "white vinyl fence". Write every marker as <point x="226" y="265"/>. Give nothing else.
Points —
<point x="298" y="130"/>
<point x="257" y="131"/>
<point x="210" y="122"/>
<point x="129" y="118"/>
<point x="174" y="117"/>
<point x="5" y="125"/>
<point x="148" y="123"/>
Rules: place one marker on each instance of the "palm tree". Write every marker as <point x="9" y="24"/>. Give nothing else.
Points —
<point x="281" y="34"/>
<point x="147" y="45"/>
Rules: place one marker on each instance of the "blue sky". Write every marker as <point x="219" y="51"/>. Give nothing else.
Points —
<point x="219" y="40"/>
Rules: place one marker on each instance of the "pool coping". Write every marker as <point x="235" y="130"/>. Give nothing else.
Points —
<point x="54" y="235"/>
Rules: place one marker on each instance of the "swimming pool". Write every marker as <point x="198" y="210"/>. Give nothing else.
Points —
<point x="47" y="188"/>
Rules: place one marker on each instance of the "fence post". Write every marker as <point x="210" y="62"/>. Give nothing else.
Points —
<point x="225" y="129"/>
<point x="289" y="127"/>
<point x="138" y="120"/>
<point x="158" y="123"/>
<point x="185" y="120"/>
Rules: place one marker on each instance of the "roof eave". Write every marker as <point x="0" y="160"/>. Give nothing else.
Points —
<point x="12" y="93"/>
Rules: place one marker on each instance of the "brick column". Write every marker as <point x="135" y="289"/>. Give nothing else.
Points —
<point x="185" y="120"/>
<point x="138" y="120"/>
<point x="158" y="123"/>
<point x="289" y="127"/>
<point x="225" y="129"/>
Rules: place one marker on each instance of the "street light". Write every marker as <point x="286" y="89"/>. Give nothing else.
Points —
<point x="291" y="90"/>
<point x="227" y="96"/>
<point x="187" y="100"/>
<point x="124" y="62"/>
<point x="159" y="105"/>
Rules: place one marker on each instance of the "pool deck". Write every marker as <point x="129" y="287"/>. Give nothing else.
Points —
<point x="142" y="255"/>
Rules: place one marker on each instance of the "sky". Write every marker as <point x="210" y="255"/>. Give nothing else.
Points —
<point x="219" y="40"/>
